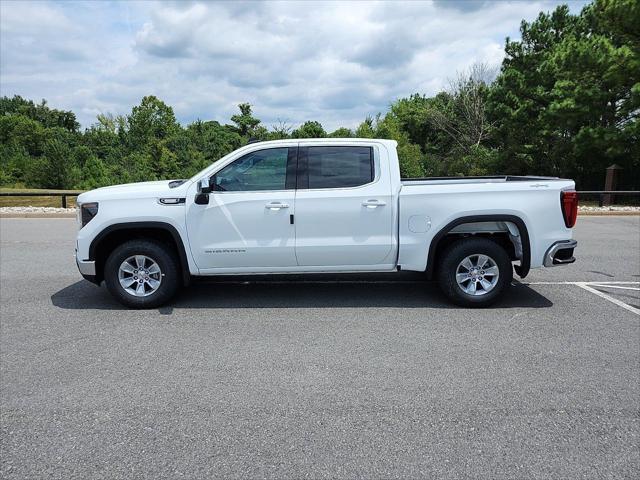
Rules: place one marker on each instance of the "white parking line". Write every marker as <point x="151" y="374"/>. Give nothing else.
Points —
<point x="616" y="286"/>
<point x="576" y="283"/>
<point x="589" y="287"/>
<point x="607" y="297"/>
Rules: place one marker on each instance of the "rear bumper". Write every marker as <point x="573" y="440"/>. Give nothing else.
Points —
<point x="560" y="253"/>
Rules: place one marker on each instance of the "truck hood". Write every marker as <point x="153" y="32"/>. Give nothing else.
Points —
<point x="135" y="190"/>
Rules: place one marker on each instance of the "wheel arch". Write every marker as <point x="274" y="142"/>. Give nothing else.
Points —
<point x="525" y="262"/>
<point x="113" y="235"/>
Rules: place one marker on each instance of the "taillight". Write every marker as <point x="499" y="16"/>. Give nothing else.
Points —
<point x="569" y="204"/>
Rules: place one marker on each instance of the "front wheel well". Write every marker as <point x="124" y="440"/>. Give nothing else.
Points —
<point x="517" y="246"/>
<point x="110" y="238"/>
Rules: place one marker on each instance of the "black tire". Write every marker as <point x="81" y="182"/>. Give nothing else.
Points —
<point x="456" y="253"/>
<point x="158" y="252"/>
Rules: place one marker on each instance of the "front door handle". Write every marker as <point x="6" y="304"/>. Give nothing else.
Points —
<point x="276" y="205"/>
<point x="373" y="203"/>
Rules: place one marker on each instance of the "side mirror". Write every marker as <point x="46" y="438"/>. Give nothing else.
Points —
<point x="204" y="189"/>
<point x="201" y="199"/>
<point x="204" y="186"/>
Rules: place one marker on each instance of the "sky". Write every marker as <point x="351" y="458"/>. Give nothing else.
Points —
<point x="335" y="62"/>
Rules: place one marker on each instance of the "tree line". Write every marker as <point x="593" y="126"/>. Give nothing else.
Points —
<point x="565" y="102"/>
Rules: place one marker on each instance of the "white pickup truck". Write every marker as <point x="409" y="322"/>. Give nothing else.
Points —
<point x="322" y="205"/>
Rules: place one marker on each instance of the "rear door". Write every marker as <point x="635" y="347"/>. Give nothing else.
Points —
<point x="344" y="211"/>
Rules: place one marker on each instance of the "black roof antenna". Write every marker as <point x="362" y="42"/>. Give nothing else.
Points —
<point x="253" y="140"/>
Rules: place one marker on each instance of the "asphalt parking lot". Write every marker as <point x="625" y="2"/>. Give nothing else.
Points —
<point x="306" y="378"/>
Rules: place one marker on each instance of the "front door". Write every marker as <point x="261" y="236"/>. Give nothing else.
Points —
<point x="247" y="226"/>
<point x="344" y="208"/>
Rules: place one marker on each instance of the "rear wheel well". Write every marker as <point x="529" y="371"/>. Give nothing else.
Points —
<point x="116" y="235"/>
<point x="501" y="238"/>
<point x="517" y="246"/>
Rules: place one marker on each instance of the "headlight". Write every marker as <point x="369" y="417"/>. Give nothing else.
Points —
<point x="87" y="212"/>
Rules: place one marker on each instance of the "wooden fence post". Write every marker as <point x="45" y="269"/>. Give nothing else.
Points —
<point x="610" y="183"/>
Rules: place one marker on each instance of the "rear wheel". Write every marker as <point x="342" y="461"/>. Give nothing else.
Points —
<point x="474" y="272"/>
<point x="142" y="274"/>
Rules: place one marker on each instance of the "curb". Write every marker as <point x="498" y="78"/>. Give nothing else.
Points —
<point x="37" y="215"/>
<point x="607" y="214"/>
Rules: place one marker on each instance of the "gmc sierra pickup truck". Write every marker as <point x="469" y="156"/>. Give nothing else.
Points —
<point x="322" y="205"/>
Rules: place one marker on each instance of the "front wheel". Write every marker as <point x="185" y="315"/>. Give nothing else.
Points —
<point x="474" y="272"/>
<point x="142" y="274"/>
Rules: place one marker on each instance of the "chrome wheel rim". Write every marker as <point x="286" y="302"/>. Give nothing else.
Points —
<point x="140" y="276"/>
<point x="477" y="274"/>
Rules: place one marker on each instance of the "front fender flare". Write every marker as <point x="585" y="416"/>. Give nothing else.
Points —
<point x="182" y="254"/>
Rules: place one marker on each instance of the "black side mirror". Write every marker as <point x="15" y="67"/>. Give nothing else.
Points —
<point x="202" y="199"/>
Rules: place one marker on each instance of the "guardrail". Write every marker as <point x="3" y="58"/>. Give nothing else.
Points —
<point x="605" y="196"/>
<point x="62" y="194"/>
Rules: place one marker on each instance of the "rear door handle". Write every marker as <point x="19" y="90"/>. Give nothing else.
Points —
<point x="373" y="203"/>
<point x="276" y="205"/>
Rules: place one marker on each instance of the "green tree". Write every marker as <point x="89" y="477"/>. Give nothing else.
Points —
<point x="245" y="122"/>
<point x="365" y="129"/>
<point x="280" y="131"/>
<point x="53" y="168"/>
<point x="41" y="113"/>
<point x="567" y="99"/>
<point x="150" y="122"/>
<point x="410" y="156"/>
<point x="309" y="129"/>
<point x="341" y="132"/>
<point x="93" y="174"/>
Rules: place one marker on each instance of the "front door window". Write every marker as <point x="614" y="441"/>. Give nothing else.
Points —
<point x="256" y="171"/>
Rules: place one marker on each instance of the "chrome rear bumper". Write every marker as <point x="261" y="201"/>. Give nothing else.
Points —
<point x="560" y="253"/>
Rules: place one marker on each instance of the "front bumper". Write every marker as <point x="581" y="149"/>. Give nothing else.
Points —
<point x="560" y="253"/>
<point x="86" y="267"/>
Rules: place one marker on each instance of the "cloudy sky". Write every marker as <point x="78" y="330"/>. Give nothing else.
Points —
<point x="334" y="62"/>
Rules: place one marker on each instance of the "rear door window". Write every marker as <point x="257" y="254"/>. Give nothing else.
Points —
<point x="339" y="167"/>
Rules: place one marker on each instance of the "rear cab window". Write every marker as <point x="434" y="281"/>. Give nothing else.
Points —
<point x="335" y="167"/>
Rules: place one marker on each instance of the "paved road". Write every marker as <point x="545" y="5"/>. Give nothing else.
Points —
<point x="292" y="380"/>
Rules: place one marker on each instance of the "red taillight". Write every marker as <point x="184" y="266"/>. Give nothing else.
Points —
<point x="569" y="204"/>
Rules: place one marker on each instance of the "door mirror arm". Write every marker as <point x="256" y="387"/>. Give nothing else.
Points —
<point x="204" y="185"/>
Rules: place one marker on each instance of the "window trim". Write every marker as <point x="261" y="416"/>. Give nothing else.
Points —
<point x="302" y="177"/>
<point x="290" y="171"/>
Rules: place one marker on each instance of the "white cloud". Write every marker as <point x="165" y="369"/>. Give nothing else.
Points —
<point x="335" y="62"/>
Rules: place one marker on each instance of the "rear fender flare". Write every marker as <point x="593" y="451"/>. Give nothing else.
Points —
<point x="525" y="264"/>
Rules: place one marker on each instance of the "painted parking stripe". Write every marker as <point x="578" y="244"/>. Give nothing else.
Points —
<point x="585" y="283"/>
<point x="590" y="287"/>
<point x="620" y="303"/>
<point x="620" y="287"/>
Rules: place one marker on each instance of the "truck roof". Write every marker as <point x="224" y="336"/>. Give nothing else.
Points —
<point x="391" y="143"/>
